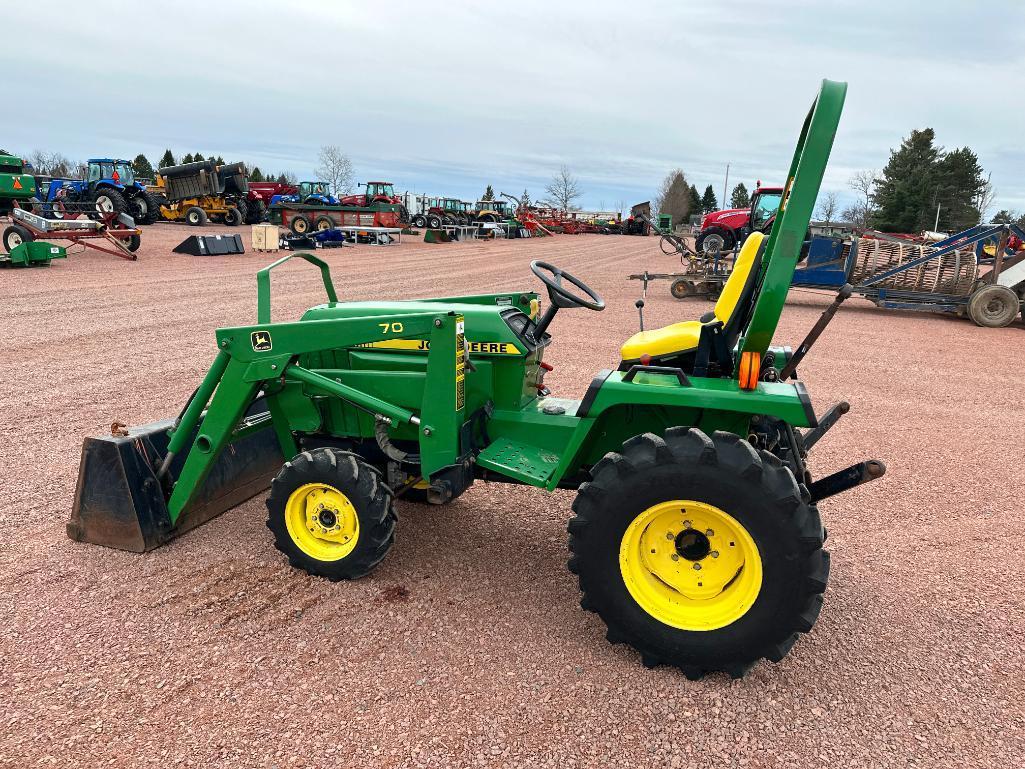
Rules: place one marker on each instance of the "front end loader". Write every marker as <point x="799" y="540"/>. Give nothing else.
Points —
<point x="696" y="533"/>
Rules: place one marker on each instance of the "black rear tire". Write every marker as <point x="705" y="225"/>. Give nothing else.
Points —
<point x="762" y="497"/>
<point x="196" y="216"/>
<point x="419" y="221"/>
<point x="255" y="210"/>
<point x="994" y="306"/>
<point x="433" y="222"/>
<point x="324" y="223"/>
<point x="300" y="225"/>
<point x="364" y="489"/>
<point x="109" y="201"/>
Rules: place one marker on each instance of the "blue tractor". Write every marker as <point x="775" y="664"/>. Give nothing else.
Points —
<point x="310" y="194"/>
<point x="110" y="186"/>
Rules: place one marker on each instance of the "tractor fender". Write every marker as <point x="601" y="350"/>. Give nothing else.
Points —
<point x="109" y="184"/>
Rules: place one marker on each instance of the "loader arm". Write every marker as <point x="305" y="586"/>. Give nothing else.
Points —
<point x="264" y="358"/>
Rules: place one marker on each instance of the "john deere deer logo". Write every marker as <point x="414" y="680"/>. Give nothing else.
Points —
<point x="261" y="341"/>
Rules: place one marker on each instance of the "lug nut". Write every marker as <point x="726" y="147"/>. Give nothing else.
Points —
<point x="670" y="535"/>
<point x="709" y="533"/>
<point x="675" y="557"/>
<point x="686" y="524"/>
<point x="715" y="553"/>
<point x="697" y="567"/>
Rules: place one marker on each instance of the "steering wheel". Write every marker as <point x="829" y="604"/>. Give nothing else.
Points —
<point x="560" y="296"/>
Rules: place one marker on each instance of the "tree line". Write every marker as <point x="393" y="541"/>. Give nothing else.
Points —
<point x="922" y="187"/>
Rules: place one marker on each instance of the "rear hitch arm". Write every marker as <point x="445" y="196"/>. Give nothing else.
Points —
<point x="840" y="481"/>
<point x="825" y="422"/>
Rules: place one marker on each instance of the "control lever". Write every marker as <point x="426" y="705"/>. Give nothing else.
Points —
<point x="816" y="331"/>
<point x="639" y="304"/>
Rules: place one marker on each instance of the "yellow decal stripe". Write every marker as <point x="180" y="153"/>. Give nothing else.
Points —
<point x="422" y="345"/>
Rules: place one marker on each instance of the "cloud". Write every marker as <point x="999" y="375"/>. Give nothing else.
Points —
<point x="446" y="99"/>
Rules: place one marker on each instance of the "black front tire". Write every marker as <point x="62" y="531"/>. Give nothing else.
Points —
<point x="233" y="217"/>
<point x="365" y="489"/>
<point x="196" y="216"/>
<point x="15" y="235"/>
<point x="715" y="240"/>
<point x="753" y="487"/>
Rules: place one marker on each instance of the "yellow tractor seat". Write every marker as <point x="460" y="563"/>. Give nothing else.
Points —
<point x="679" y="338"/>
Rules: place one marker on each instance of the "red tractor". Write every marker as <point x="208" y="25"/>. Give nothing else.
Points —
<point x="725" y="230"/>
<point x="377" y="193"/>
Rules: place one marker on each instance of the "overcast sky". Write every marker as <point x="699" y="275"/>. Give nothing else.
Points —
<point x="447" y="97"/>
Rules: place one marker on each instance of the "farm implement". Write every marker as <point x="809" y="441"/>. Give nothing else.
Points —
<point x="108" y="232"/>
<point x="198" y="192"/>
<point x="979" y="272"/>
<point x="696" y="535"/>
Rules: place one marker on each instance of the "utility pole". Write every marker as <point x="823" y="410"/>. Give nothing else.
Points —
<point x="936" y="226"/>
<point x="725" y="184"/>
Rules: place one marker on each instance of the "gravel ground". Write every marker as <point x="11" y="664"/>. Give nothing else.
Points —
<point x="467" y="646"/>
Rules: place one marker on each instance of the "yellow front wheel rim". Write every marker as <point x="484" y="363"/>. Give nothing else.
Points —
<point x="322" y="521"/>
<point x="690" y="565"/>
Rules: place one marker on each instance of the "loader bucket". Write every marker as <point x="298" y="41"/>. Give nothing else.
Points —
<point x="120" y="503"/>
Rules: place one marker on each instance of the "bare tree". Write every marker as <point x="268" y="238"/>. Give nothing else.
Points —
<point x="673" y="197"/>
<point x="562" y="190"/>
<point x="984" y="201"/>
<point x="54" y="164"/>
<point x="864" y="182"/>
<point x="827" y="206"/>
<point x="856" y="214"/>
<point x="335" y="167"/>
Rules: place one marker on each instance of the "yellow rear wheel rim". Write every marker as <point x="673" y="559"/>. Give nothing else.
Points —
<point x="322" y="522"/>
<point x="690" y="565"/>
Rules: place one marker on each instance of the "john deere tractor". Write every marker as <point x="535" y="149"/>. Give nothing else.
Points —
<point x="696" y="534"/>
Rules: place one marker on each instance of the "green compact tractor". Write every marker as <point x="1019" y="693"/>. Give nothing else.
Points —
<point x="696" y="535"/>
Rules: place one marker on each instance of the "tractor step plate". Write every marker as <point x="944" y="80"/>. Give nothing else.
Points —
<point x="521" y="461"/>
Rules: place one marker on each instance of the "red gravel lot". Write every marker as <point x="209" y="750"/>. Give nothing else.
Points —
<point x="467" y="646"/>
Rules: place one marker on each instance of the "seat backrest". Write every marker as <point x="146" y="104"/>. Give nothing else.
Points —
<point x="741" y="281"/>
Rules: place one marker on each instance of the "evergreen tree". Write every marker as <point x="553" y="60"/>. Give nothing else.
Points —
<point x="709" y="202"/>
<point x="186" y="159"/>
<point x="695" y="201"/>
<point x="525" y="200"/>
<point x="256" y="175"/>
<point x="957" y="187"/>
<point x="904" y="193"/>
<point x="1009" y="217"/>
<point x="219" y="160"/>
<point x="197" y="157"/>
<point x="143" y="168"/>
<point x="489" y="193"/>
<point x="739" y="197"/>
<point x="166" y="160"/>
